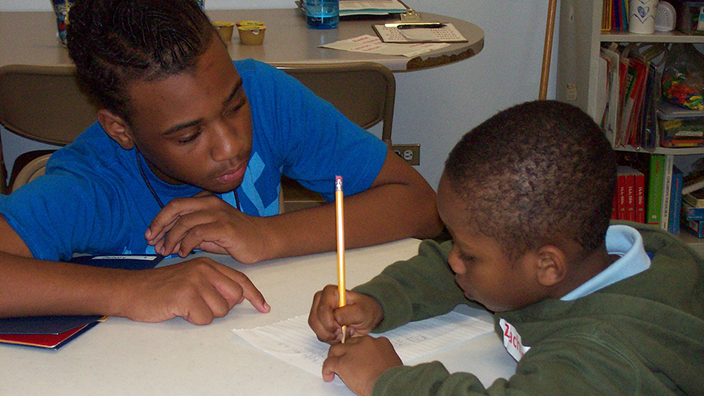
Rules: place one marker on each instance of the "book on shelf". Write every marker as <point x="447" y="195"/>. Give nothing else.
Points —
<point x="689" y="212"/>
<point x="675" y="201"/>
<point x="693" y="182"/>
<point x="627" y="92"/>
<point x="614" y="15"/>
<point x="626" y="193"/>
<point x="695" y="198"/>
<point x="648" y="184"/>
<point x="656" y="178"/>
<point x="696" y="227"/>
<point x="666" y="193"/>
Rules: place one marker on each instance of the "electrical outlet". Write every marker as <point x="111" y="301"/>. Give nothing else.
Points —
<point x="409" y="152"/>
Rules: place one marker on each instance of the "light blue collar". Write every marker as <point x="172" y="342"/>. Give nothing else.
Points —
<point x="623" y="241"/>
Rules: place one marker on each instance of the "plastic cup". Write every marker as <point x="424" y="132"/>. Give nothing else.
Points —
<point x="61" y="8"/>
<point x="224" y="29"/>
<point x="251" y="34"/>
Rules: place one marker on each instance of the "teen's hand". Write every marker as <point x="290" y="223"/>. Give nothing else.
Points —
<point x="206" y="222"/>
<point x="198" y="290"/>
<point x="359" y="362"/>
<point x="361" y="314"/>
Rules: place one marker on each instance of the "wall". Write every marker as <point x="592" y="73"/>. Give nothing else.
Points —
<point x="434" y="107"/>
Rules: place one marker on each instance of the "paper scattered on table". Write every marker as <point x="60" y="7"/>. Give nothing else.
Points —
<point x="446" y="34"/>
<point x="371" y="7"/>
<point x="293" y="341"/>
<point x="373" y="44"/>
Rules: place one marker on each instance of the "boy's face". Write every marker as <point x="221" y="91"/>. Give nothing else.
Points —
<point x="195" y="127"/>
<point x="481" y="268"/>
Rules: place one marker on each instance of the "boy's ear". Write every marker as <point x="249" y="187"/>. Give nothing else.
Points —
<point x="551" y="266"/>
<point x="117" y="128"/>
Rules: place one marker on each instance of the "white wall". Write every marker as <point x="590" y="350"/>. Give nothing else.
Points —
<point x="435" y="107"/>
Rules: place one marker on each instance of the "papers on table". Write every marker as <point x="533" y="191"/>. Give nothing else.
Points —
<point x="372" y="44"/>
<point x="448" y="33"/>
<point x="294" y="342"/>
<point x="375" y="7"/>
<point x="359" y="8"/>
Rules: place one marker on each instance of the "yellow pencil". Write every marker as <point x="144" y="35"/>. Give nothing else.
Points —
<point x="340" y="219"/>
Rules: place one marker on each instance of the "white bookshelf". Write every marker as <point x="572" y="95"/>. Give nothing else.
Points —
<point x="578" y="64"/>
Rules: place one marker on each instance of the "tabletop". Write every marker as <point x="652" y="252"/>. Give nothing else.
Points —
<point x="122" y="357"/>
<point x="30" y="38"/>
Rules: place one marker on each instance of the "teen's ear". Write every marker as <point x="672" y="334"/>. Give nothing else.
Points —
<point x="117" y="128"/>
<point x="551" y="266"/>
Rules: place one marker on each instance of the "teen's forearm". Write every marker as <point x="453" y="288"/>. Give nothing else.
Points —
<point x="381" y="214"/>
<point x="30" y="287"/>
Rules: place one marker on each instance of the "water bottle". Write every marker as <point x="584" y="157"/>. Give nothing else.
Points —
<point x="322" y="14"/>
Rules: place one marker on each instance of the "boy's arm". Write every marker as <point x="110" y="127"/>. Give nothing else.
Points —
<point x="421" y="287"/>
<point x="198" y="290"/>
<point x="399" y="204"/>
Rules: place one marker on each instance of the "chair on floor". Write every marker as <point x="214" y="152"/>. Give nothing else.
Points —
<point x="42" y="103"/>
<point x="364" y="92"/>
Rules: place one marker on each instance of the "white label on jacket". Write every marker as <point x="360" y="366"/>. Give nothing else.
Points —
<point x="512" y="340"/>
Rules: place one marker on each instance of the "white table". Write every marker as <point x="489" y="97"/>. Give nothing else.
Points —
<point x="29" y="38"/>
<point x="122" y="357"/>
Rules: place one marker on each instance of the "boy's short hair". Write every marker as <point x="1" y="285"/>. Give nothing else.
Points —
<point x="535" y="174"/>
<point x="117" y="42"/>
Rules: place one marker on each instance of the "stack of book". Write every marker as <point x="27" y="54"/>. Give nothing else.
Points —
<point x="614" y="15"/>
<point x="649" y="190"/>
<point x="627" y="94"/>
<point x="693" y="212"/>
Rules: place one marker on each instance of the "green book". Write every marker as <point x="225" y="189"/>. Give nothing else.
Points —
<point x="656" y="176"/>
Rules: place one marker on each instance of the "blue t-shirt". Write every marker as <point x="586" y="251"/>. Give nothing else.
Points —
<point x="94" y="200"/>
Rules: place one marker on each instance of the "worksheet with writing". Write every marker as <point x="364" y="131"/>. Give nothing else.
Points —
<point x="293" y="341"/>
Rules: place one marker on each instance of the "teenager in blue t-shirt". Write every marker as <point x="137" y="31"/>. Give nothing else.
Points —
<point x="188" y="153"/>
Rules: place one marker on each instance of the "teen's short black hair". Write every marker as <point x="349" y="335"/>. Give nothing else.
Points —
<point x="116" y="42"/>
<point x="534" y="174"/>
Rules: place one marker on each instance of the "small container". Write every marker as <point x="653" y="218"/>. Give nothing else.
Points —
<point x="224" y="29"/>
<point x="680" y="127"/>
<point x="249" y="23"/>
<point x="251" y="34"/>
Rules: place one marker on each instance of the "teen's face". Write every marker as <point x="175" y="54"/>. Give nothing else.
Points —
<point x="481" y="268"/>
<point x="195" y="127"/>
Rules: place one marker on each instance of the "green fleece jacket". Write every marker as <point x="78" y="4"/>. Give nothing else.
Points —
<point x="643" y="335"/>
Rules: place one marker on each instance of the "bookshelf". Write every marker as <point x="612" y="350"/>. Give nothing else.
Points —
<point x="580" y="39"/>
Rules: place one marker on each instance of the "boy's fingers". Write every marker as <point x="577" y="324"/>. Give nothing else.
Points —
<point x="316" y="321"/>
<point x="331" y="363"/>
<point x="249" y="291"/>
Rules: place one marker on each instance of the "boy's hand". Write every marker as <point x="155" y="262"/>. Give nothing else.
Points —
<point x="198" y="290"/>
<point x="359" y="362"/>
<point x="361" y="314"/>
<point x="206" y="222"/>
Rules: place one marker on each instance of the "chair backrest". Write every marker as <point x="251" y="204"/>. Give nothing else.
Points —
<point x="29" y="172"/>
<point x="365" y="92"/>
<point x="42" y="103"/>
<point x="45" y="103"/>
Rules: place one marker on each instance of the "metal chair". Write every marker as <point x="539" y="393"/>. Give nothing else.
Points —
<point x="42" y="103"/>
<point x="364" y="92"/>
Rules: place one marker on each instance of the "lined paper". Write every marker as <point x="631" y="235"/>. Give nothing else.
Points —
<point x="294" y="342"/>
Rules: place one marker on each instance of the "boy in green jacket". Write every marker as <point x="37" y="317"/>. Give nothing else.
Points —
<point x="587" y="308"/>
